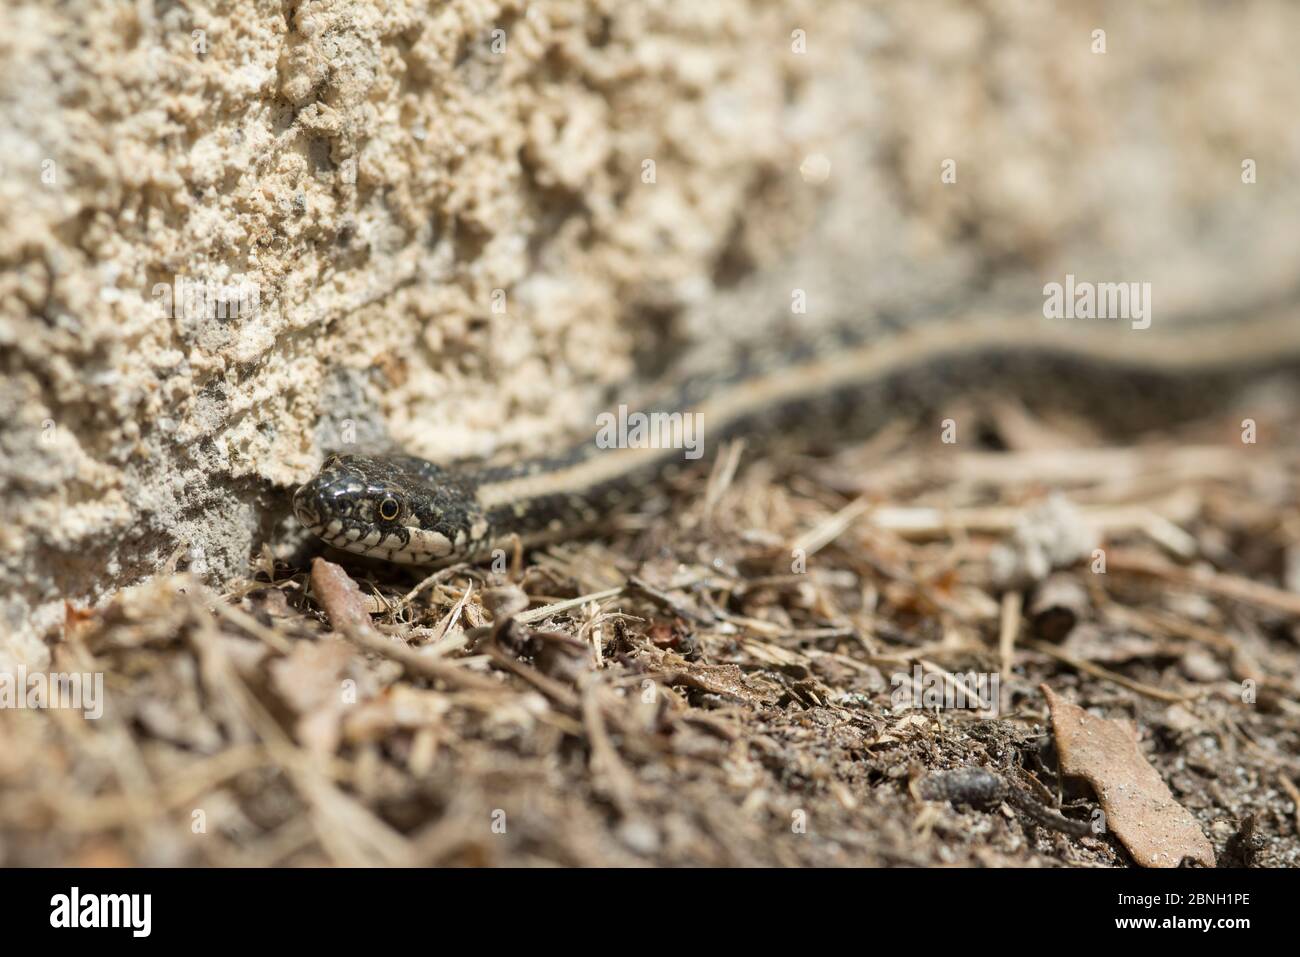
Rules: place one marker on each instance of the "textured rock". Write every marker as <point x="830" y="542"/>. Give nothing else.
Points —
<point x="454" y="244"/>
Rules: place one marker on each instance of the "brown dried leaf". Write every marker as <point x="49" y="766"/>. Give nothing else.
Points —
<point x="717" y="679"/>
<point x="339" y="595"/>
<point x="1140" y="810"/>
<point x="310" y="682"/>
<point x="309" y="677"/>
<point x="726" y="679"/>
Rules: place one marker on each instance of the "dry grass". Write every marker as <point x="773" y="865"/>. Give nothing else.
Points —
<point x="711" y="684"/>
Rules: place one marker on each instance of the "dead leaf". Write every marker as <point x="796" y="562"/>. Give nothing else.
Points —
<point x="1140" y="810"/>
<point x="725" y="679"/>
<point x="310" y="682"/>
<point x="339" y="595"/>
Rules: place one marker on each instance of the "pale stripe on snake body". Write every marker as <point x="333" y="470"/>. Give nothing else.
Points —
<point x="850" y="383"/>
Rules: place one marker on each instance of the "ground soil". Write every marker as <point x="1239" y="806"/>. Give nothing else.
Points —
<point x="726" y="690"/>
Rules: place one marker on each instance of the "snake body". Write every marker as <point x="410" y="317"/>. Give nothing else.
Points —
<point x="849" y="382"/>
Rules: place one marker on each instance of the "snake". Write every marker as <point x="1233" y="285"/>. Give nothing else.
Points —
<point x="847" y="381"/>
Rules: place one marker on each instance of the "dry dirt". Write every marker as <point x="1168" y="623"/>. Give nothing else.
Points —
<point x="693" y="690"/>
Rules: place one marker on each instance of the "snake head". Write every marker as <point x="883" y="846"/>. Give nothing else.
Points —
<point x="398" y="508"/>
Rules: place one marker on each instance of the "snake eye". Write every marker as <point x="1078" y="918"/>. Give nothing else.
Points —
<point x="388" y="509"/>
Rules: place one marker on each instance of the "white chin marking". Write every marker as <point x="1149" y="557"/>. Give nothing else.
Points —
<point x="424" y="547"/>
<point x="433" y="544"/>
